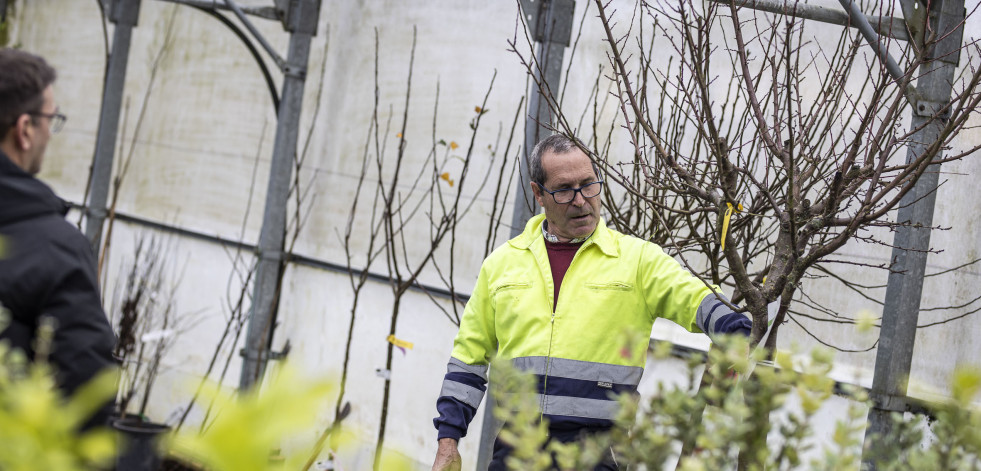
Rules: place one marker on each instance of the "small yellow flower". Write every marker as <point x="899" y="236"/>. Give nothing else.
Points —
<point x="454" y="145"/>
<point x="446" y="176"/>
<point x="478" y="109"/>
<point x="398" y="135"/>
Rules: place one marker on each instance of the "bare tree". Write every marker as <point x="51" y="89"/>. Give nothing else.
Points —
<point x="408" y="193"/>
<point x="117" y="182"/>
<point x="753" y="180"/>
<point x="146" y="320"/>
<point x="238" y="289"/>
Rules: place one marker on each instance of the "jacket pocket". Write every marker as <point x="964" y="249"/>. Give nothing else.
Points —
<point x="509" y="285"/>
<point x="611" y="286"/>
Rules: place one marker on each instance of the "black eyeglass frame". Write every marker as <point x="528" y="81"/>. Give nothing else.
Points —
<point x="57" y="119"/>
<point x="573" y="190"/>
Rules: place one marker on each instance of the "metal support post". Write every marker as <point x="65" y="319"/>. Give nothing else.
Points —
<point x="123" y="13"/>
<point x="912" y="240"/>
<point x="550" y="22"/>
<point x="302" y="23"/>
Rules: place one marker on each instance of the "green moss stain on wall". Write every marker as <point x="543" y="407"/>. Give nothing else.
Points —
<point x="7" y="15"/>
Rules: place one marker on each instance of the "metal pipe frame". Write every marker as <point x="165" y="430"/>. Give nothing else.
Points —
<point x="862" y="23"/>
<point x="911" y="245"/>
<point x="300" y="260"/>
<point x="550" y="22"/>
<point x="270" y="84"/>
<point x="268" y="13"/>
<point x="124" y="13"/>
<point x="883" y="25"/>
<point x="262" y="316"/>
<point x="255" y="32"/>
<point x="871" y="27"/>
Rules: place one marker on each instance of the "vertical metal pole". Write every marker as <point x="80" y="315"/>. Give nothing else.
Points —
<point x="303" y="17"/>
<point x="912" y="241"/>
<point x="551" y="24"/>
<point x="124" y="14"/>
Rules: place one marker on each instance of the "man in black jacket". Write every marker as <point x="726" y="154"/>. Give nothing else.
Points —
<point x="47" y="270"/>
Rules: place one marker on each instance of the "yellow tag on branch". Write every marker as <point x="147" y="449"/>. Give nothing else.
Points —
<point x="725" y="224"/>
<point x="725" y="221"/>
<point x="399" y="342"/>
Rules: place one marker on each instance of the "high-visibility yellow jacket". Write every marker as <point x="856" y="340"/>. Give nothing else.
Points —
<point x="585" y="347"/>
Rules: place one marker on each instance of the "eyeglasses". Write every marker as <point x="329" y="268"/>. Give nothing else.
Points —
<point x="57" y="119"/>
<point x="567" y="195"/>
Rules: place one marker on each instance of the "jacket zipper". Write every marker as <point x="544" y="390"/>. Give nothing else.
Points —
<point x="551" y="334"/>
<point x="548" y="366"/>
<point x="548" y="354"/>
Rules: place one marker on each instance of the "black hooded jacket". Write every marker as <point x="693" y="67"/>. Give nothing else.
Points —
<point x="48" y="270"/>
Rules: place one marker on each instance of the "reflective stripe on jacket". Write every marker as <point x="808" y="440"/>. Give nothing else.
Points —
<point x="581" y="351"/>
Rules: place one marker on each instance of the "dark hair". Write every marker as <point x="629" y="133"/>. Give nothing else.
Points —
<point x="558" y="144"/>
<point x="22" y="84"/>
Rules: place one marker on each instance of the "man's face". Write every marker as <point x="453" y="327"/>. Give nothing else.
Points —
<point x="578" y="218"/>
<point x="40" y="134"/>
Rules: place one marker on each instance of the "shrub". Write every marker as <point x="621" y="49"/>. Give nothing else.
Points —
<point x="39" y="428"/>
<point x="729" y="419"/>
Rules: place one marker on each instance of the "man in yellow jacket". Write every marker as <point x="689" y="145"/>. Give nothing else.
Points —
<point x="555" y="301"/>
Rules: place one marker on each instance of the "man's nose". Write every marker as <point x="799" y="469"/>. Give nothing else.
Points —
<point x="578" y="199"/>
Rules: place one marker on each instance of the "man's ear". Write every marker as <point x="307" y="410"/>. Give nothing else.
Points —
<point x="538" y="193"/>
<point x="23" y="132"/>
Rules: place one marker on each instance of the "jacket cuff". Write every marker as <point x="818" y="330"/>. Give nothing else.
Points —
<point x="715" y="318"/>
<point x="734" y="323"/>
<point x="449" y="431"/>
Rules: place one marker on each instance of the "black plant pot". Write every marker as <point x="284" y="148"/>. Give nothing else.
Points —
<point x="139" y="444"/>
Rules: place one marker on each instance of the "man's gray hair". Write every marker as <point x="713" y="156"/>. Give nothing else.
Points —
<point x="557" y="144"/>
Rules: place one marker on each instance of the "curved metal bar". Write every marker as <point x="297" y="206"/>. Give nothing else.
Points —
<point x="255" y="52"/>
<point x="258" y="36"/>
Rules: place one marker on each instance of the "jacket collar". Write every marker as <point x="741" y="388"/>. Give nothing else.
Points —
<point x="22" y="196"/>
<point x="602" y="237"/>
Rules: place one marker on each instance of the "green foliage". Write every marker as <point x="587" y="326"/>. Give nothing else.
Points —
<point x="38" y="427"/>
<point x="518" y="407"/>
<point x="739" y="414"/>
<point x="252" y="425"/>
<point x="250" y="428"/>
<point x="956" y="427"/>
